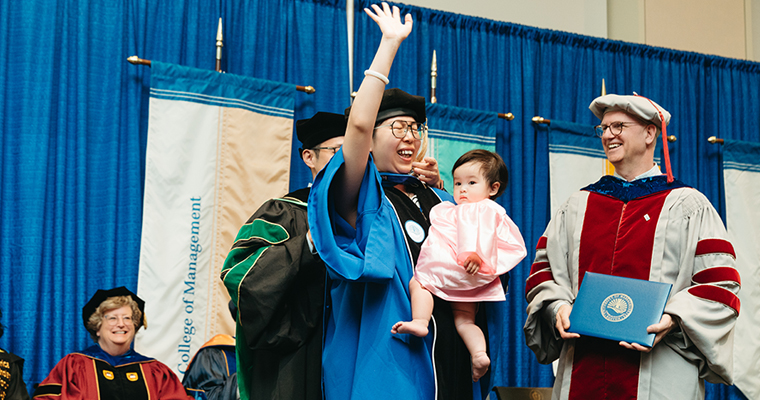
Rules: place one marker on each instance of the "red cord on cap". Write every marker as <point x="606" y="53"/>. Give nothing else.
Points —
<point x="665" y="151"/>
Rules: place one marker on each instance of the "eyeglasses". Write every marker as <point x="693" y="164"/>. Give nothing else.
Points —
<point x="114" y="319"/>
<point x="616" y="128"/>
<point x="333" y="149"/>
<point x="400" y="128"/>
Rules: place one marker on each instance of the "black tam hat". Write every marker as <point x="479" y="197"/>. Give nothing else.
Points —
<point x="397" y="102"/>
<point x="102" y="295"/>
<point x="322" y="126"/>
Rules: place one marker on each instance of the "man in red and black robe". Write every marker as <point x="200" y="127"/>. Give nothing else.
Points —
<point x="644" y="225"/>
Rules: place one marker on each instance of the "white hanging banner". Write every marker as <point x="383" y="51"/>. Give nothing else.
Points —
<point x="576" y="160"/>
<point x="219" y="145"/>
<point x="741" y="179"/>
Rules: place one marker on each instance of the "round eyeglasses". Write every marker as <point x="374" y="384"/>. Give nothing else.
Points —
<point x="400" y="128"/>
<point x="114" y="319"/>
<point x="333" y="149"/>
<point x="616" y="128"/>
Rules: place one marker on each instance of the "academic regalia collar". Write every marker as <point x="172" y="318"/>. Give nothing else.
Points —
<point x="130" y="357"/>
<point x="627" y="191"/>
<point x="391" y="179"/>
<point x="654" y="171"/>
<point x="301" y="195"/>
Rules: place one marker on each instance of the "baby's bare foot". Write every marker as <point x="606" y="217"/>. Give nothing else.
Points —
<point x="480" y="364"/>
<point x="416" y="327"/>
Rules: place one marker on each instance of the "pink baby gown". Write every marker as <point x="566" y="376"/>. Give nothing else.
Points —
<point x="456" y="231"/>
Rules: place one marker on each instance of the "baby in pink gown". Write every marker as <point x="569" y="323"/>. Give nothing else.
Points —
<point x="469" y="245"/>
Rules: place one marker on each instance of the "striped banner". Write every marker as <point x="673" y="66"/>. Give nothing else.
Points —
<point x="219" y="145"/>
<point x="453" y="131"/>
<point x="741" y="178"/>
<point x="576" y="159"/>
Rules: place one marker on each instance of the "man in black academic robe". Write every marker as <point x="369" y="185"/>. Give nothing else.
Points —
<point x="278" y="283"/>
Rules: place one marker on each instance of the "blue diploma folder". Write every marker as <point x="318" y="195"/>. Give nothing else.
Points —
<point x="617" y="308"/>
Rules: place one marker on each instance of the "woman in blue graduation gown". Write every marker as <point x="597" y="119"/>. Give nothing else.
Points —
<point x="368" y="218"/>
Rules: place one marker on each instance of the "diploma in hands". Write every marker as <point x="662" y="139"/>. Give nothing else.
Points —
<point x="617" y="308"/>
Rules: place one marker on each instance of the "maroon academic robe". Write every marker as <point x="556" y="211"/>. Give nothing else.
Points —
<point x="93" y="374"/>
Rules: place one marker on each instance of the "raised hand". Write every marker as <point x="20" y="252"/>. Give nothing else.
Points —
<point x="361" y="123"/>
<point x="390" y="22"/>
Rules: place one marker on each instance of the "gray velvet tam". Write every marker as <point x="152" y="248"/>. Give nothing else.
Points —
<point x="319" y="128"/>
<point x="638" y="106"/>
<point x="396" y="103"/>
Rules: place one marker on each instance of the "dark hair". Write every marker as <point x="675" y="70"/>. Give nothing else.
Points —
<point x="491" y="164"/>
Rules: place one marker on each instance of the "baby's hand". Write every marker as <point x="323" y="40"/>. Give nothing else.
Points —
<point x="472" y="263"/>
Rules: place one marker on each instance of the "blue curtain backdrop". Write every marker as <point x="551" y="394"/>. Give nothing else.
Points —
<point x="73" y="126"/>
<point x="73" y="123"/>
<point x="503" y="67"/>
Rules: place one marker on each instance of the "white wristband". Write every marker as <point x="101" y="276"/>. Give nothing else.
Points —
<point x="377" y="75"/>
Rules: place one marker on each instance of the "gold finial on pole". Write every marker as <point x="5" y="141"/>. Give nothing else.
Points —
<point x="508" y="116"/>
<point x="306" y="89"/>
<point x="713" y="140"/>
<point x="433" y="76"/>
<point x="138" y="61"/>
<point x="219" y="45"/>
<point x="604" y="88"/>
<point x="540" y="120"/>
<point x="672" y="138"/>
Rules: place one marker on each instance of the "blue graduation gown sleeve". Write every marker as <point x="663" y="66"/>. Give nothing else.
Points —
<point x="349" y="252"/>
